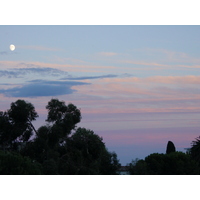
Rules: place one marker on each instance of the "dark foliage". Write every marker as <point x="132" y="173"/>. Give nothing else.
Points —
<point x="176" y="163"/>
<point x="14" y="164"/>
<point x="58" y="147"/>
<point x="170" y="147"/>
<point x="16" y="124"/>
<point x="195" y="149"/>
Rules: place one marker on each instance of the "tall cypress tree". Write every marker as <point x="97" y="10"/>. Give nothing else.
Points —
<point x="170" y="147"/>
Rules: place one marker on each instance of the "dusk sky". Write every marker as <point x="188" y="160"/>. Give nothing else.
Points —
<point x="136" y="86"/>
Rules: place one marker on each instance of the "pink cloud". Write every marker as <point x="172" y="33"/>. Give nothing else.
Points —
<point x="164" y="59"/>
<point x="145" y="63"/>
<point x="190" y="79"/>
<point x="140" y="95"/>
<point x="148" y="87"/>
<point x="65" y="67"/>
<point x="175" y="79"/>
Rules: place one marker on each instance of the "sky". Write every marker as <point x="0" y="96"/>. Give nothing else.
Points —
<point x="137" y="86"/>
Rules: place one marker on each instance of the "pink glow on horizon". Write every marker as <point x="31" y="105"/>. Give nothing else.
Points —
<point x="182" y="137"/>
<point x="114" y="110"/>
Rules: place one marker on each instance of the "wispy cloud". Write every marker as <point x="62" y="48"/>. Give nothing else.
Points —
<point x="107" y="53"/>
<point x="157" y="59"/>
<point x="190" y="79"/>
<point x="64" y="67"/>
<point x="180" y="57"/>
<point x="182" y="80"/>
<point x="142" y="95"/>
<point x="145" y="63"/>
<point x="166" y="55"/>
<point x="39" y="71"/>
<point x="151" y="66"/>
<point x="90" y="77"/>
<point x="58" y="59"/>
<point x="3" y="53"/>
<point x="7" y="53"/>
<point x="8" y="74"/>
<point x="39" y="48"/>
<point x="39" y="88"/>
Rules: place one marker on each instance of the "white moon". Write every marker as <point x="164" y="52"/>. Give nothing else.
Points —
<point x="12" y="47"/>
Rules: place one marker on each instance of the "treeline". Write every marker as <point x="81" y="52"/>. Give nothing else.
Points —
<point x="57" y="148"/>
<point x="170" y="163"/>
<point x="61" y="148"/>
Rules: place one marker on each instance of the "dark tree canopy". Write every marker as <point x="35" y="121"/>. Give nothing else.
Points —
<point x="195" y="149"/>
<point x="6" y="129"/>
<point x="16" y="124"/>
<point x="58" y="147"/>
<point x="175" y="163"/>
<point x="171" y="163"/>
<point x="22" y="112"/>
<point x="14" y="164"/>
<point x="87" y="154"/>
<point x="170" y="147"/>
<point x="62" y="116"/>
<point x="59" y="112"/>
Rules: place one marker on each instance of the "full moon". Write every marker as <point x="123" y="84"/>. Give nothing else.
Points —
<point x="12" y="47"/>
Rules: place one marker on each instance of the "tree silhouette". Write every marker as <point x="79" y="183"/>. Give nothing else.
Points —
<point x="174" y="163"/>
<point x="195" y="149"/>
<point x="87" y="154"/>
<point x="13" y="163"/>
<point x="59" y="146"/>
<point x="170" y="147"/>
<point x="16" y="124"/>
<point x="62" y="119"/>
